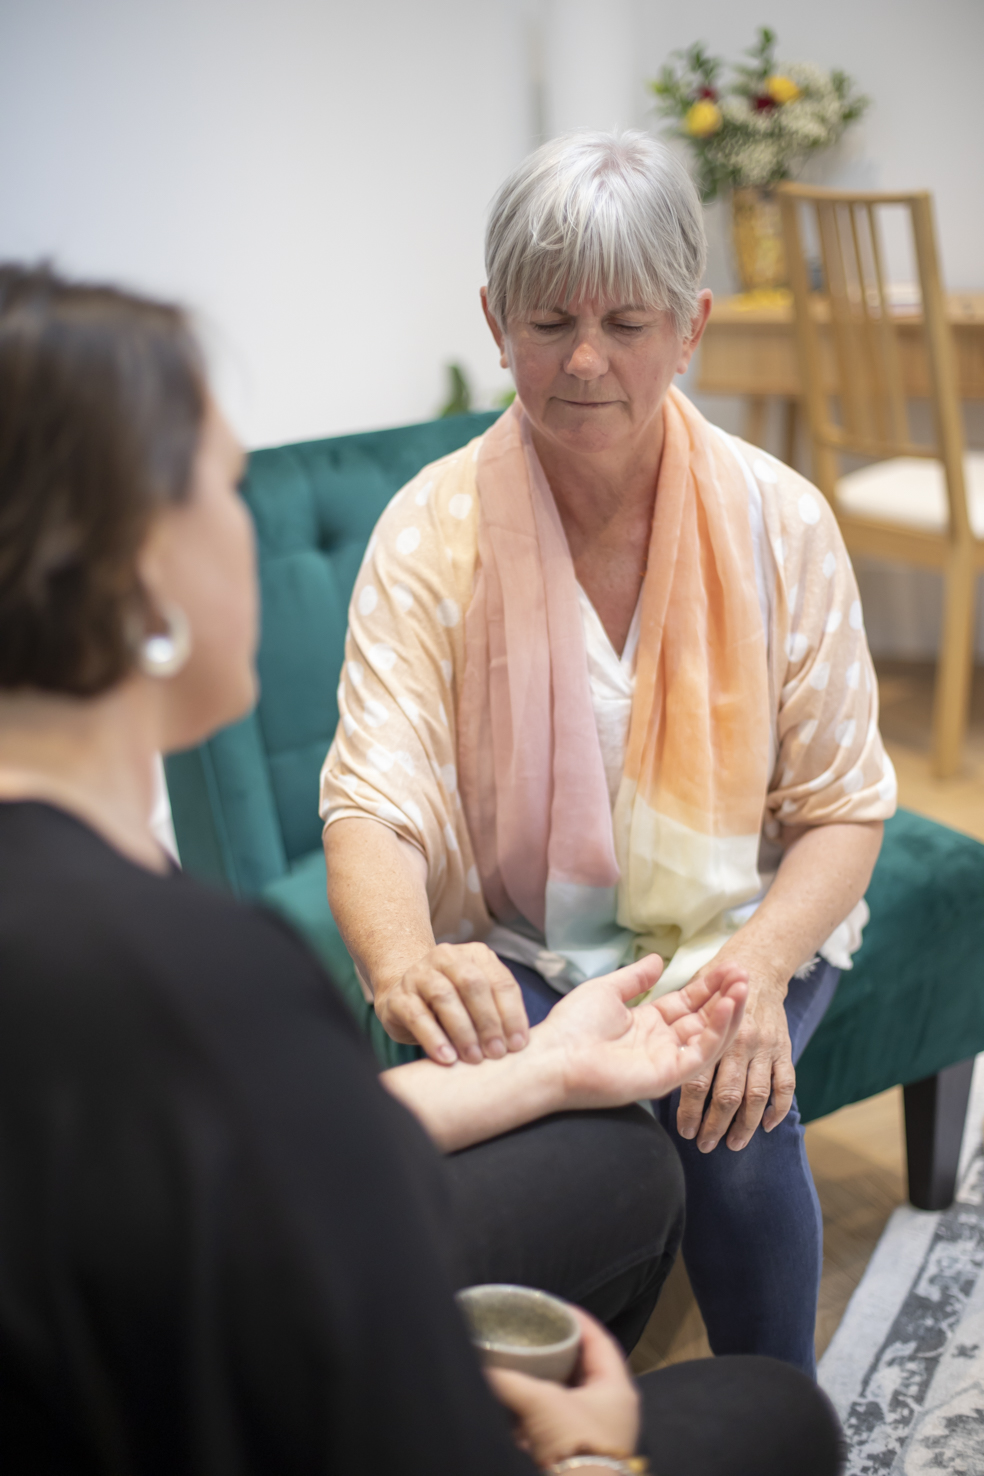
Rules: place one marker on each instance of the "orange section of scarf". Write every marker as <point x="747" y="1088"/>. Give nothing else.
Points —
<point x="698" y="746"/>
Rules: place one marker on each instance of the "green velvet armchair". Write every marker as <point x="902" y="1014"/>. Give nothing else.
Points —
<point x="245" y="808"/>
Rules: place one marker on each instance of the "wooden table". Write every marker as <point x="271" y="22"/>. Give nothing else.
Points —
<point x="750" y="349"/>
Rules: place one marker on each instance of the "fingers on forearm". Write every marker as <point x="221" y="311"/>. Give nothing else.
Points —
<point x="512" y="1011"/>
<point x="492" y="998"/>
<point x="406" y="1018"/>
<point x="459" y="1001"/>
<point x="455" y="1009"/>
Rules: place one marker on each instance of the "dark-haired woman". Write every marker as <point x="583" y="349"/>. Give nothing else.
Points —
<point x="224" y="1246"/>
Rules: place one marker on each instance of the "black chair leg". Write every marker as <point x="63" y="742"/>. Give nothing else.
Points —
<point x="935" y="1111"/>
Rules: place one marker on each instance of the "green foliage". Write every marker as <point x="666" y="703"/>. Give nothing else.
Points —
<point x="752" y="79"/>
<point x="459" y="400"/>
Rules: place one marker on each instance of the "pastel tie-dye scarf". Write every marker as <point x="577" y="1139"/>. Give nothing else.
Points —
<point x="682" y="847"/>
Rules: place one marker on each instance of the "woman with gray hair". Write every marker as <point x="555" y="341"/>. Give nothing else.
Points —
<point x="607" y="694"/>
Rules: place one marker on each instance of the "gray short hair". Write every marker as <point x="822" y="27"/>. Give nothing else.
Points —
<point x="610" y="215"/>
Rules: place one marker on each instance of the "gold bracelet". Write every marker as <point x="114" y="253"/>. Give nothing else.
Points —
<point x="628" y="1465"/>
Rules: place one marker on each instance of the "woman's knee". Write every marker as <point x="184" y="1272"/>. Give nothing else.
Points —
<point x="740" y="1416"/>
<point x="593" y="1193"/>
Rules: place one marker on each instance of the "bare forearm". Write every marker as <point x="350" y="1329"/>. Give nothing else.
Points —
<point x="378" y="898"/>
<point x="823" y="875"/>
<point x="464" y="1104"/>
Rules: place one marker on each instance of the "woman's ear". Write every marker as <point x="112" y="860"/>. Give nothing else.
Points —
<point x="705" y="301"/>
<point x="497" y="333"/>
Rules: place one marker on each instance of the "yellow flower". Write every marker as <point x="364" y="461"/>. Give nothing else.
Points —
<point x="782" y="89"/>
<point x="702" y="119"/>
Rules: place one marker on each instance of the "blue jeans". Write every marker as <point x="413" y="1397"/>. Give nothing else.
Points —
<point x="753" y="1243"/>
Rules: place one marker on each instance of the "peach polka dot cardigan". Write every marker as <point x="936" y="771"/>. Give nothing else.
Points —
<point x="466" y="722"/>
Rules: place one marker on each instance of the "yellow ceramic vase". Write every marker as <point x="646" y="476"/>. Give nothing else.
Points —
<point x="756" y="228"/>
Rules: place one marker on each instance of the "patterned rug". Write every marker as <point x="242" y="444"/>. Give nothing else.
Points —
<point x="905" y="1368"/>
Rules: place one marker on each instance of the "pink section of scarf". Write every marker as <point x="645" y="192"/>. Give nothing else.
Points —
<point x="531" y="773"/>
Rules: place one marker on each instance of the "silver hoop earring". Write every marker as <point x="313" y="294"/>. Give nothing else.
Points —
<point x="165" y="652"/>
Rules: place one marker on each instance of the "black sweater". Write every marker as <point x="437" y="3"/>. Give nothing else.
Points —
<point x="222" y="1243"/>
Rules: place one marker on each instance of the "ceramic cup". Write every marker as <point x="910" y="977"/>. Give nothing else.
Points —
<point x="517" y="1327"/>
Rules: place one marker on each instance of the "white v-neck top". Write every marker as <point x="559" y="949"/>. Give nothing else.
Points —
<point x="612" y="681"/>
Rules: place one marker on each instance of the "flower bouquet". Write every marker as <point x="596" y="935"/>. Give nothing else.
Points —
<point x="751" y="132"/>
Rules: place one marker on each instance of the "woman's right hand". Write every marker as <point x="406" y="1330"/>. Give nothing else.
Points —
<point x="458" y="1002"/>
<point x="600" y="1416"/>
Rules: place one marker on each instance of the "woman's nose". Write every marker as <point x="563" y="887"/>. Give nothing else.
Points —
<point x="585" y="361"/>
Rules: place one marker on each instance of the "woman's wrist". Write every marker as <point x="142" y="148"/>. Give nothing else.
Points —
<point x="464" y="1104"/>
<point x="768" y="970"/>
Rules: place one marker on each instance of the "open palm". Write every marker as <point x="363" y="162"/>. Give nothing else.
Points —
<point x="614" y="1053"/>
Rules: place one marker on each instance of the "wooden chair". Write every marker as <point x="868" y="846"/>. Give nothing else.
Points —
<point x="918" y="503"/>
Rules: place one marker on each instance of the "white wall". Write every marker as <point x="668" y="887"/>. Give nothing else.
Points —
<point x="313" y="175"/>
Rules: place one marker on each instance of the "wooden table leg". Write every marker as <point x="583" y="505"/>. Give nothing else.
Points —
<point x="755" y="420"/>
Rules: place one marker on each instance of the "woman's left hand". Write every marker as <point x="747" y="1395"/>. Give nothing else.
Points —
<point x="757" y="1066"/>
<point x="614" y="1054"/>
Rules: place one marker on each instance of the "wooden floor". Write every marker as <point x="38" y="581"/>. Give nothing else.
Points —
<point x="857" y="1154"/>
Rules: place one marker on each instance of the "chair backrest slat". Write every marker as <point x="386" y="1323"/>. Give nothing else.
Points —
<point x="862" y="406"/>
<point x="888" y="341"/>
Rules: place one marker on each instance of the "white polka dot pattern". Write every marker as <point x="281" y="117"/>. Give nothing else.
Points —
<point x="380" y="759"/>
<point x="382" y="656"/>
<point x="831" y="759"/>
<point x="394" y="756"/>
<point x="375" y="713"/>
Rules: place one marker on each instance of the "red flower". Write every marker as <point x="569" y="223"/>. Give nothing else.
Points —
<point x="708" y="93"/>
<point x="763" y="103"/>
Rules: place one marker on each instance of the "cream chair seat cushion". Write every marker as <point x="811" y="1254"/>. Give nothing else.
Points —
<point x="911" y="491"/>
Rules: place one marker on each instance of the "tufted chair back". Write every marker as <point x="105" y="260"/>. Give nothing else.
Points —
<point x="245" y="803"/>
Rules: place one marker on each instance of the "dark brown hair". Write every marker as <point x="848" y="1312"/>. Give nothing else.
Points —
<point x="102" y="398"/>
